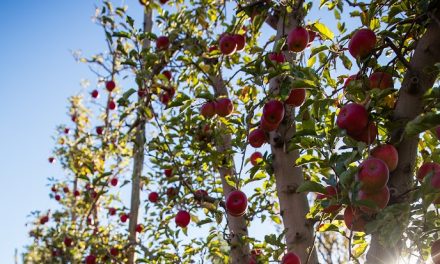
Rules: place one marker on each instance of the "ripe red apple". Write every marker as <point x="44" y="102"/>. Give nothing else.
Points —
<point x="273" y="112"/>
<point x="373" y="175"/>
<point x="330" y="191"/>
<point x="368" y="135"/>
<point x="68" y="241"/>
<point x="112" y="105"/>
<point x="380" y="200"/>
<point x="112" y="211"/>
<point x="162" y="43"/>
<point x="51" y="160"/>
<point x="298" y="39"/>
<point x="57" y="197"/>
<point x="435" y="252"/>
<point x="256" y="158"/>
<point x="352" y="117"/>
<point x="54" y="189"/>
<point x="297" y="97"/>
<point x="171" y="91"/>
<point x="168" y="172"/>
<point x="66" y="131"/>
<point x="90" y="259"/>
<point x="110" y="86"/>
<point x="114" y="251"/>
<point x="163" y="1"/>
<point x="208" y="109"/>
<point x="353" y="219"/>
<point x="44" y="219"/>
<point x="224" y="107"/>
<point x="114" y="181"/>
<point x="362" y="43"/>
<point x="240" y="40"/>
<point x="291" y="258"/>
<point x="142" y="92"/>
<point x="139" y="228"/>
<point x="73" y="118"/>
<point x="381" y="80"/>
<point x="257" y="138"/>
<point x="388" y="154"/>
<point x="76" y="193"/>
<point x="236" y="203"/>
<point x="227" y="44"/>
<point x="124" y="217"/>
<point x="167" y="74"/>
<point x="277" y="57"/>
<point x="182" y="218"/>
<point x="66" y="189"/>
<point x="428" y="168"/>
<point x="266" y="126"/>
<point x="153" y="197"/>
<point x="164" y="98"/>
<point x="99" y="130"/>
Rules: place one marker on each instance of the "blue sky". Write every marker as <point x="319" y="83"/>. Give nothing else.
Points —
<point x="38" y="74"/>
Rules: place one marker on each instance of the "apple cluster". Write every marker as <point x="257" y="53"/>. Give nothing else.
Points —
<point x="222" y="107"/>
<point x="374" y="193"/>
<point x="231" y="43"/>
<point x="354" y="119"/>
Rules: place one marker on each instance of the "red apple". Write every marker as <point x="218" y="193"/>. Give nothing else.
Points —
<point x="224" y="107"/>
<point x="167" y="74"/>
<point x="112" y="211"/>
<point x="381" y="80"/>
<point x="273" y="112"/>
<point x="66" y="131"/>
<point x="76" y="193"/>
<point x="182" y="218"/>
<point x="99" y="130"/>
<point x="362" y="43"/>
<point x="171" y="91"/>
<point x="44" y="219"/>
<point x="298" y="39"/>
<point x="297" y="97"/>
<point x="373" y="175"/>
<point x="368" y="135"/>
<point x="66" y="189"/>
<point x="200" y="194"/>
<point x="142" y="92"/>
<point x="57" y="197"/>
<point x="153" y="197"/>
<point x="291" y="258"/>
<point x="124" y="217"/>
<point x="94" y="94"/>
<point x="114" y="251"/>
<point x="112" y="105"/>
<point x="163" y="1"/>
<point x="51" y="160"/>
<point x="352" y="117"/>
<point x="256" y="158"/>
<point x="68" y="241"/>
<point x="227" y="44"/>
<point x="388" y="154"/>
<point x="330" y="191"/>
<point x="168" y="172"/>
<point x="208" y="109"/>
<point x="277" y="57"/>
<point x="114" y="181"/>
<point x="428" y="168"/>
<point x="353" y="219"/>
<point x="110" y="85"/>
<point x="257" y="138"/>
<point x="240" y="40"/>
<point x="236" y="203"/>
<point x="380" y="199"/>
<point x="435" y="252"/>
<point x="54" y="189"/>
<point x="162" y="43"/>
<point x="90" y="259"/>
<point x="139" y="228"/>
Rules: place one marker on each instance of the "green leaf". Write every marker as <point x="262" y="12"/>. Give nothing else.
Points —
<point x="422" y="123"/>
<point x="324" y="31"/>
<point x="310" y="186"/>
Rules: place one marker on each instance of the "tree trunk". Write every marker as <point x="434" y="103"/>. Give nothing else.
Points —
<point x="237" y="225"/>
<point x="294" y="206"/>
<point x="138" y="159"/>
<point x="416" y="81"/>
